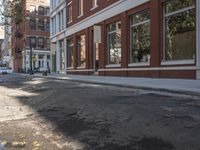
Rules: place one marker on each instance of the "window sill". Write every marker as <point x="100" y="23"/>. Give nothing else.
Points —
<point x="80" y="16"/>
<point x="81" y="67"/>
<point x="139" y="64"/>
<point x="93" y="8"/>
<point x="69" y="22"/>
<point x="178" y="62"/>
<point x="113" y="65"/>
<point x="70" y="68"/>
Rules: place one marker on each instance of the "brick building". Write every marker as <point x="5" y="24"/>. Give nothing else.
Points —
<point x="6" y="46"/>
<point x="32" y="31"/>
<point x="134" y="38"/>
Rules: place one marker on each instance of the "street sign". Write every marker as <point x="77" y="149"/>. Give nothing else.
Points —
<point x="97" y="34"/>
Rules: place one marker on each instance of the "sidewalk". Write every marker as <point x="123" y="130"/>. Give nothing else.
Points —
<point x="182" y="86"/>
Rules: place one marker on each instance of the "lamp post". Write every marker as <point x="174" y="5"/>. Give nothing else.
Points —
<point x="31" y="72"/>
<point x="32" y="43"/>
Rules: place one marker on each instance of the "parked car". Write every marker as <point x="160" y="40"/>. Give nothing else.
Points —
<point x="5" y="70"/>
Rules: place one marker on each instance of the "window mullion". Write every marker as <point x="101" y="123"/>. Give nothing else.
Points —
<point x="179" y="11"/>
<point x="140" y="23"/>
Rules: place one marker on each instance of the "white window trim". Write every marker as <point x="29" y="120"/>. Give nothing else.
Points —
<point x="81" y="67"/>
<point x="149" y="68"/>
<point x="179" y="11"/>
<point x="69" y="22"/>
<point x="80" y="16"/>
<point x="70" y="3"/>
<point x="82" y="8"/>
<point x="139" y="64"/>
<point x="140" y="23"/>
<point x="94" y="8"/>
<point x="110" y="32"/>
<point x="113" y="65"/>
<point x="178" y="62"/>
<point x="70" y="67"/>
<point x="174" y="62"/>
<point x="80" y="70"/>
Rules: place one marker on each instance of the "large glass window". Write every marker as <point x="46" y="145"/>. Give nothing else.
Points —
<point x="48" y="26"/>
<point x="48" y="43"/>
<point x="140" y="37"/>
<point x="69" y="12"/>
<point x="114" y="43"/>
<point x="70" y="49"/>
<point x="180" y="33"/>
<point x="80" y="7"/>
<point x="47" y="11"/>
<point x="32" y="24"/>
<point x="41" y="10"/>
<point x="41" y="42"/>
<point x="41" y="25"/>
<point x="81" y="51"/>
<point x="33" y="42"/>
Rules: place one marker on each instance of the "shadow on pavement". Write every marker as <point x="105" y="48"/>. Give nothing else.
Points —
<point x="109" y="118"/>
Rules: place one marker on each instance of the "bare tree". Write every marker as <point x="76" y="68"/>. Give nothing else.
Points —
<point x="11" y="10"/>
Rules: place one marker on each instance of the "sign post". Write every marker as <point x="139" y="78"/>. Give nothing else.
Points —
<point x="96" y="40"/>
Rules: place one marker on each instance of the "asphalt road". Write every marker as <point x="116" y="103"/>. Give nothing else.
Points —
<point x="49" y="114"/>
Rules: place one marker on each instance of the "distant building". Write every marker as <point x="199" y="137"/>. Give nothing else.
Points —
<point x="129" y="38"/>
<point x="32" y="32"/>
<point x="58" y="43"/>
<point x="6" y="46"/>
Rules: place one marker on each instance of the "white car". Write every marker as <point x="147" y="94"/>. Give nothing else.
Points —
<point x="5" y="70"/>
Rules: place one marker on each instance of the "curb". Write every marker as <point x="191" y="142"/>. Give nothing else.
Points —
<point x="183" y="92"/>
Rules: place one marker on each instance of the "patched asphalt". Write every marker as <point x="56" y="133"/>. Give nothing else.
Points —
<point x="48" y="114"/>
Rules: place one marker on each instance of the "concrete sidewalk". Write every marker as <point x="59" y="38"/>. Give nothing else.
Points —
<point x="183" y="86"/>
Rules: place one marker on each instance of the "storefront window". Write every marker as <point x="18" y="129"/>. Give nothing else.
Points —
<point x="114" y="43"/>
<point x="140" y="37"/>
<point x="41" y="42"/>
<point x="70" y="49"/>
<point x="81" y="51"/>
<point x="180" y="33"/>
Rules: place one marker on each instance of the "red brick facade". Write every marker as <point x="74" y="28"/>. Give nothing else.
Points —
<point x="155" y="69"/>
<point x="22" y="32"/>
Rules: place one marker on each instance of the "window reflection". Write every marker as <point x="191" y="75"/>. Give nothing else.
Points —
<point x="114" y="43"/>
<point x="180" y="36"/>
<point x="140" y="37"/>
